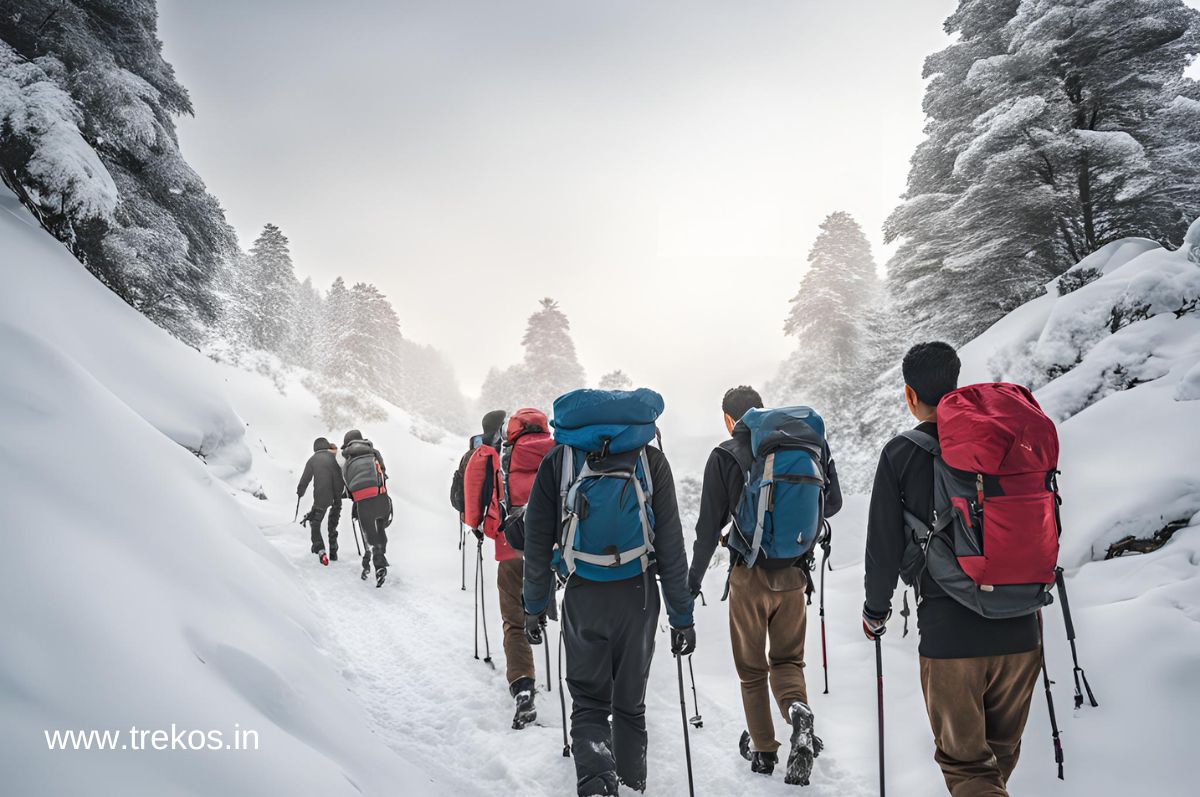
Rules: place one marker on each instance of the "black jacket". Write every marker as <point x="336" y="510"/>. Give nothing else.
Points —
<point x="724" y="480"/>
<point x="326" y="477"/>
<point x="949" y="630"/>
<point x="542" y="529"/>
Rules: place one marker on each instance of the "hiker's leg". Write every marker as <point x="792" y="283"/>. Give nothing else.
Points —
<point x="786" y="628"/>
<point x="586" y="617"/>
<point x="335" y="516"/>
<point x="1012" y="679"/>
<point x="748" y="632"/>
<point x="954" y="690"/>
<point x="315" y="516"/>
<point x="517" y="653"/>
<point x="632" y="650"/>
<point x="371" y="514"/>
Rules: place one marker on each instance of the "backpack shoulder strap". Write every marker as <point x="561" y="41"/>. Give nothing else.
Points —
<point x="645" y="461"/>
<point x="923" y="440"/>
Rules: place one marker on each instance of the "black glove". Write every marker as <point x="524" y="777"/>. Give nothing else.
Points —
<point x="683" y="640"/>
<point x="535" y="624"/>
<point x="478" y="534"/>
<point x="874" y="624"/>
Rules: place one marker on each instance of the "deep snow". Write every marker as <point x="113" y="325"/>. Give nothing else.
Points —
<point x="140" y="589"/>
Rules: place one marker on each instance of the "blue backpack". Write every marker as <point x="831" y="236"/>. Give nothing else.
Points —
<point x="605" y="489"/>
<point x="782" y="509"/>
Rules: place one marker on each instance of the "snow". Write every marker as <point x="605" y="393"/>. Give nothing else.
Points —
<point x="149" y="586"/>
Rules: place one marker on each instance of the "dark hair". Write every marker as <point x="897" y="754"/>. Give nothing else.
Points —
<point x="931" y="370"/>
<point x="740" y="399"/>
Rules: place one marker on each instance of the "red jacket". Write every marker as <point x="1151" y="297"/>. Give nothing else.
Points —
<point x="481" y="489"/>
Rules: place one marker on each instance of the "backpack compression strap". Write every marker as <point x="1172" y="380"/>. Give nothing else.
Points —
<point x="569" y="488"/>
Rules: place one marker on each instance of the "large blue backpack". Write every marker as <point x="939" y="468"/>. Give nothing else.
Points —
<point x="605" y="488"/>
<point x="782" y="509"/>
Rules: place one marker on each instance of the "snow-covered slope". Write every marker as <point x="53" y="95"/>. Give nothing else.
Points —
<point x="136" y="591"/>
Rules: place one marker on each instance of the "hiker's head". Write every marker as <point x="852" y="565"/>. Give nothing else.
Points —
<point x="736" y="403"/>
<point x="320" y="444"/>
<point x="351" y="436"/>
<point x="930" y="372"/>
<point x="492" y="423"/>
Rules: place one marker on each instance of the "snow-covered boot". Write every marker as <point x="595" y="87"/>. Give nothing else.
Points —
<point x="380" y="576"/>
<point x="762" y="763"/>
<point x="805" y="745"/>
<point x="603" y="784"/>
<point x="366" y="566"/>
<point x="522" y="691"/>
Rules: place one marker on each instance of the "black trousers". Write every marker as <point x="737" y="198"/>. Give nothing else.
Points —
<point x="374" y="516"/>
<point x="315" y="516"/>
<point x="609" y="631"/>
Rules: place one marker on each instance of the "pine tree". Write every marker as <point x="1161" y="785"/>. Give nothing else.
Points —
<point x="103" y="172"/>
<point x="616" y="380"/>
<point x="1045" y="126"/>
<point x="332" y="331"/>
<point x="301" y="342"/>
<point x="271" y="290"/>
<point x="548" y="369"/>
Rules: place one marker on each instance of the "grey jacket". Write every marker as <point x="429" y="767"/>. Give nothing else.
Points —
<point x="326" y="476"/>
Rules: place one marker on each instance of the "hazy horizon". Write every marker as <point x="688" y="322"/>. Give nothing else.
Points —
<point x="469" y="158"/>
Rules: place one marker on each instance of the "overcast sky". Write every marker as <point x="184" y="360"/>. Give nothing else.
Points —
<point x="660" y="168"/>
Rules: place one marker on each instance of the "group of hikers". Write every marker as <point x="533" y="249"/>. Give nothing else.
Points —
<point x="362" y="477"/>
<point x="583" y="516"/>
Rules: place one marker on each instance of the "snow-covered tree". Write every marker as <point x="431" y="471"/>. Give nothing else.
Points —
<point x="548" y="369"/>
<point x="270" y="291"/>
<point x="1044" y="133"/>
<point x="616" y="380"/>
<point x="87" y="141"/>
<point x="300" y="344"/>
<point x="332" y="330"/>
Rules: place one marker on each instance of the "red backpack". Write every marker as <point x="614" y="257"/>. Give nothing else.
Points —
<point x="992" y="543"/>
<point x="527" y="440"/>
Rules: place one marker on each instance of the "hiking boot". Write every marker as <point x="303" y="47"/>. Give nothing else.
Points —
<point x="380" y="576"/>
<point x="522" y="691"/>
<point x="762" y="763"/>
<point x="324" y="557"/>
<point x="366" y="566"/>
<point x="804" y="745"/>
<point x="333" y="554"/>
<point x="603" y="784"/>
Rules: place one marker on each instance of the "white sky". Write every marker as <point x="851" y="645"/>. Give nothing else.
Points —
<point x="660" y="168"/>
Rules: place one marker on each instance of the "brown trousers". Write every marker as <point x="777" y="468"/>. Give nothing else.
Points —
<point x="768" y="605"/>
<point x="517" y="653"/>
<point x="977" y="709"/>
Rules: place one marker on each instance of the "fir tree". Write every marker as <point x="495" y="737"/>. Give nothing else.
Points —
<point x="1046" y="135"/>
<point x="271" y="291"/>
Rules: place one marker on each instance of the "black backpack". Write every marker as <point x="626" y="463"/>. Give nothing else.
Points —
<point x="458" y="498"/>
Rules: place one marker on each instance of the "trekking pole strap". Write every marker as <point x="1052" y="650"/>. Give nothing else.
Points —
<point x="1077" y="671"/>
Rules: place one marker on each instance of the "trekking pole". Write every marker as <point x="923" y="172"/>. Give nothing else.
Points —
<point x="687" y="745"/>
<point x="826" y="545"/>
<point x="1046" y="682"/>
<point x="1078" y="671"/>
<point x="296" y="514"/>
<point x="477" y="564"/>
<point x="696" y="720"/>
<point x="879" y="676"/>
<point x="462" y="547"/>
<point x="357" y="532"/>
<point x="562" y="695"/>
<point x="487" y="648"/>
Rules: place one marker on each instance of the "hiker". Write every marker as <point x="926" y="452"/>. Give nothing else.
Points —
<point x="977" y="674"/>
<point x="497" y="485"/>
<point x="606" y="499"/>
<point x="328" y="487"/>
<point x="768" y="583"/>
<point x="365" y="475"/>
<point x="491" y="427"/>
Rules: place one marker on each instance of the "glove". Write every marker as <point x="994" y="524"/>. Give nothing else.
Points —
<point x="535" y="624"/>
<point x="478" y="534"/>
<point x="683" y="640"/>
<point x="874" y="625"/>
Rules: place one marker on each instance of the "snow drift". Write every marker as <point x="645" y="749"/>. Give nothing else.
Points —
<point x="138" y="593"/>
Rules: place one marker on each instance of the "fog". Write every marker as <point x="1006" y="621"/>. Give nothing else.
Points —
<point x="659" y="168"/>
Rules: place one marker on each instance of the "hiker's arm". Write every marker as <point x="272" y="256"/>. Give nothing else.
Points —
<point x="669" y="551"/>
<point x="541" y="527"/>
<point x="885" y="539"/>
<point x="339" y="482"/>
<point x="833" y="493"/>
<point x="714" y="514"/>
<point x="305" y="478"/>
